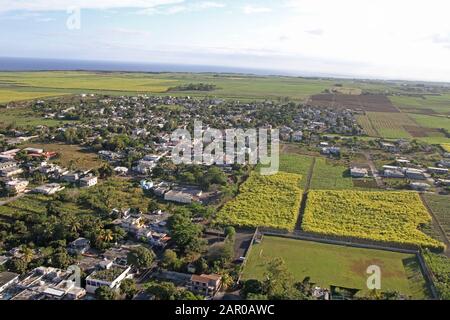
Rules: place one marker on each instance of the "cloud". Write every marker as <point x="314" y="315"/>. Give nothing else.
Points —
<point x="315" y="32"/>
<point x="250" y="9"/>
<point x="174" y="9"/>
<point x="63" y="5"/>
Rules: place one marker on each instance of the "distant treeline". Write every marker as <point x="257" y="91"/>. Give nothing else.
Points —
<point x="194" y="87"/>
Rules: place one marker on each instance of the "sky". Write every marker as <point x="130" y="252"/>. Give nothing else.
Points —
<point x="386" y="39"/>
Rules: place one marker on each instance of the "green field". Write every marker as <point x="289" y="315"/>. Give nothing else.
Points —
<point x="441" y="209"/>
<point x="432" y="121"/>
<point x="434" y="104"/>
<point x="35" y="84"/>
<point x="70" y="155"/>
<point x="338" y="265"/>
<point x="294" y="163"/>
<point x="328" y="175"/>
<point x="25" y="117"/>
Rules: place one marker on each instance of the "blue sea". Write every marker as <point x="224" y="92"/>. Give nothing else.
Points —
<point x="34" y="64"/>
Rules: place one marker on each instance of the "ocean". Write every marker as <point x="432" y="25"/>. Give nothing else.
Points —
<point x="34" y="64"/>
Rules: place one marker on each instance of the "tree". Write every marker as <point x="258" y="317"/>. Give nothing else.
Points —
<point x="105" y="293"/>
<point x="163" y="290"/>
<point x="17" y="265"/>
<point x="186" y="295"/>
<point x="61" y="259"/>
<point x="141" y="257"/>
<point x="186" y="234"/>
<point x="128" y="288"/>
<point x="279" y="283"/>
<point x="170" y="260"/>
<point x="251" y="286"/>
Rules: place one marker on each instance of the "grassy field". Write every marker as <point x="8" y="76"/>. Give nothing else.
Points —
<point x="25" y="117"/>
<point x="338" y="265"/>
<point x="366" y="124"/>
<point x="427" y="104"/>
<point x="441" y="209"/>
<point x="265" y="201"/>
<point x="10" y="95"/>
<point x="295" y="163"/>
<point x="228" y="86"/>
<point x="70" y="155"/>
<point x="392" y="217"/>
<point x="432" y="121"/>
<point x="391" y="125"/>
<point x="329" y="175"/>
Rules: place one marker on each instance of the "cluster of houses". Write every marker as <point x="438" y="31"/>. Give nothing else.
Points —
<point x="172" y="192"/>
<point x="42" y="283"/>
<point x="10" y="169"/>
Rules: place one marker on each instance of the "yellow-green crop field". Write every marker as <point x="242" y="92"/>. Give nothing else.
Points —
<point x="269" y="201"/>
<point x="380" y="216"/>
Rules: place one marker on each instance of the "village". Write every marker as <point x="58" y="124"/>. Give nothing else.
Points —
<point x="146" y="253"/>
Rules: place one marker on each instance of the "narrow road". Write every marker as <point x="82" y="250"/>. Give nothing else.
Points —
<point x="438" y="225"/>
<point x="374" y="170"/>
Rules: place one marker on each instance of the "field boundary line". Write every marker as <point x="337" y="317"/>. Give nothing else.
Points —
<point x="436" y="221"/>
<point x="302" y="208"/>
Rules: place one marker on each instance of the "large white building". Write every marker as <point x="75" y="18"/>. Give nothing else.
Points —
<point x="110" y="277"/>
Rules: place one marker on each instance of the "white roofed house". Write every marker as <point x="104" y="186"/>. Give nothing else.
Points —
<point x="359" y="172"/>
<point x="183" y="195"/>
<point x="88" y="181"/>
<point x="16" y="186"/>
<point x="49" y="189"/>
<point x="111" y="277"/>
<point x="415" y="174"/>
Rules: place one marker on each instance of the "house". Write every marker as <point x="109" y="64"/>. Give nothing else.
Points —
<point x="415" y="174"/>
<point x="297" y="136"/>
<point x="33" y="150"/>
<point x="420" y="186"/>
<point x="445" y="163"/>
<point x="111" y="277"/>
<point x="144" y="166"/>
<point x="437" y="170"/>
<point x="205" y="284"/>
<point x="71" y="177"/>
<point x="393" y="173"/>
<point x="402" y="162"/>
<point x="49" y="189"/>
<point x="79" y="246"/>
<point x="7" y="279"/>
<point x="87" y="182"/>
<point x="183" y="195"/>
<point x="10" y="172"/>
<point x="444" y="182"/>
<point x="7" y="165"/>
<point x="3" y="260"/>
<point x="359" y="172"/>
<point x="45" y="283"/>
<point x="389" y="147"/>
<point x="121" y="171"/>
<point x="16" y="186"/>
<point x="331" y="151"/>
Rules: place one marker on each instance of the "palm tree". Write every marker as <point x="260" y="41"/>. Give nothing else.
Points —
<point x="75" y="226"/>
<point x="28" y="254"/>
<point x="107" y="235"/>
